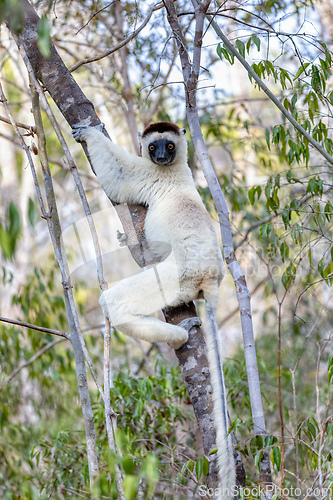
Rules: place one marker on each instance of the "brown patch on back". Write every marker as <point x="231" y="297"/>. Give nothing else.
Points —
<point x="161" y="127"/>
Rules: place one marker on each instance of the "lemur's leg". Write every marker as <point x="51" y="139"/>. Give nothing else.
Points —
<point x="129" y="304"/>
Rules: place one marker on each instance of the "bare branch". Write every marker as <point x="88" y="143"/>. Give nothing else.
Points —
<point x="31" y="128"/>
<point x="10" y="139"/>
<point x="95" y="14"/>
<point x="177" y="33"/>
<point x="62" y="164"/>
<point x="35" y="327"/>
<point x="121" y="44"/>
<point x="127" y="87"/>
<point x="200" y="18"/>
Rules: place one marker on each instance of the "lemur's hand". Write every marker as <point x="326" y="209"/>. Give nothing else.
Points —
<point x="122" y="238"/>
<point x="80" y="132"/>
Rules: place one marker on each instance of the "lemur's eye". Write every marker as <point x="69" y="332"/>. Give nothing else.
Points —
<point x="170" y="145"/>
<point x="151" y="148"/>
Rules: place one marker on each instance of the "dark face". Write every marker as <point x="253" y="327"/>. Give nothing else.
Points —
<point x="162" y="151"/>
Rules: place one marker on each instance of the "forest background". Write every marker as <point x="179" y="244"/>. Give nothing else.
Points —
<point x="278" y="190"/>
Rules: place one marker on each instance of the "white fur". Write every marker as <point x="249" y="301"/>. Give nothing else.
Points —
<point x="225" y="459"/>
<point x="177" y="216"/>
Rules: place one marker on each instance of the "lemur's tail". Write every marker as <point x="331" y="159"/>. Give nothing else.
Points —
<point x="225" y="458"/>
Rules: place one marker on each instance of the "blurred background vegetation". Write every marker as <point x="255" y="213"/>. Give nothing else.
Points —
<point x="279" y="193"/>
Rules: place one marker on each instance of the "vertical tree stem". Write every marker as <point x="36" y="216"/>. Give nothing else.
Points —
<point x="38" y="92"/>
<point x="110" y="415"/>
<point x="280" y="396"/>
<point x="243" y="295"/>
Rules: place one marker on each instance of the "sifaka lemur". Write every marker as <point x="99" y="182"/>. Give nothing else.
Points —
<point x="162" y="180"/>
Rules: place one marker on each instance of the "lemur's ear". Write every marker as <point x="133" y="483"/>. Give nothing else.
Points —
<point x="183" y="130"/>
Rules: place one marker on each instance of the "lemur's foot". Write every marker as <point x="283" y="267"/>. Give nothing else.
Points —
<point x="80" y="132"/>
<point x="189" y="322"/>
<point x="181" y="340"/>
<point x="186" y="325"/>
<point x="122" y="238"/>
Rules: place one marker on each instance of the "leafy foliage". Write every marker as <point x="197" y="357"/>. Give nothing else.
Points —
<point x="278" y="191"/>
<point x="10" y="231"/>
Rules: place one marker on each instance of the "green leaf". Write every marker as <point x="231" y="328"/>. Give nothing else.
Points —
<point x="284" y="251"/>
<point x="223" y="51"/>
<point x="288" y="277"/>
<point x="328" y="273"/>
<point x="294" y="205"/>
<point x="292" y="179"/>
<point x="205" y="466"/>
<point x="14" y="220"/>
<point x="263" y="231"/>
<point x="256" y="40"/>
<point x="130" y="486"/>
<point x="138" y="409"/>
<point x="330" y="378"/>
<point x="267" y="134"/>
<point x="199" y="468"/>
<point x="311" y="186"/>
<point x="219" y="51"/>
<point x="241" y="47"/>
<point x="277" y="457"/>
<point x="251" y="194"/>
<point x="10" y="233"/>
<point x="268" y="189"/>
<point x="296" y="233"/>
<point x="300" y="70"/>
<point x="229" y="55"/>
<point x="310" y="257"/>
<point x="190" y="465"/>
<point x="129" y="465"/>
<point x="257" y="442"/>
<point x="286" y="215"/>
<point x="269" y="440"/>
<point x="330" y="368"/>
<point x="32" y="213"/>
<point x="321" y="267"/>
<point x="312" y="429"/>
<point x="44" y="40"/>
<point x="248" y="45"/>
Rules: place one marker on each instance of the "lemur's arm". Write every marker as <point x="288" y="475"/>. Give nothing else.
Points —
<point x="118" y="172"/>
